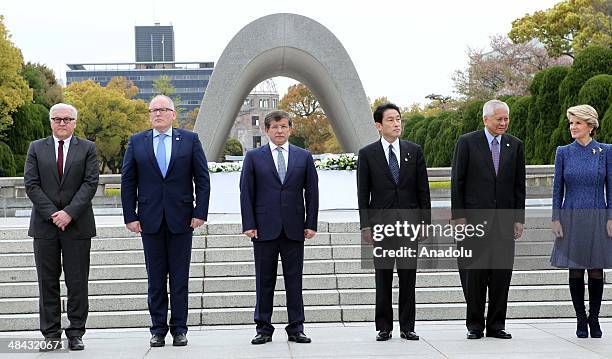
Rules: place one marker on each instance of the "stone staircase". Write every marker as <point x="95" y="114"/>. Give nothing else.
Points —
<point x="222" y="286"/>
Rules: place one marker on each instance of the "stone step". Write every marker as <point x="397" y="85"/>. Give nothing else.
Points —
<point x="313" y="314"/>
<point x="29" y="289"/>
<point x="106" y="303"/>
<point x="228" y="241"/>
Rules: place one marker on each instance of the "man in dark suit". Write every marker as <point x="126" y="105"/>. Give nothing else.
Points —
<point x="279" y="202"/>
<point x="160" y="168"/>
<point x="488" y="187"/>
<point x="61" y="177"/>
<point x="392" y="186"/>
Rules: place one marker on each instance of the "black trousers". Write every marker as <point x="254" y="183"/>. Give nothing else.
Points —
<point x="266" y="262"/>
<point x="492" y="272"/>
<point x="50" y="256"/>
<point x="406" y="301"/>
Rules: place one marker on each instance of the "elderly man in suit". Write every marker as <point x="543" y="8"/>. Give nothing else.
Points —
<point x="279" y="201"/>
<point x="61" y="177"/>
<point x="392" y="185"/>
<point x="488" y="187"/>
<point x="160" y="167"/>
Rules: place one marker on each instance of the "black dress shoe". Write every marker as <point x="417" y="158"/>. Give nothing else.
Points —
<point x="75" y="343"/>
<point x="179" y="340"/>
<point x="500" y="334"/>
<point x="261" y="339"/>
<point x="474" y="334"/>
<point x="157" y="340"/>
<point x="299" y="337"/>
<point x="409" y="335"/>
<point x="383" y="335"/>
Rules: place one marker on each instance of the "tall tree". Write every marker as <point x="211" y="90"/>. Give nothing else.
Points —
<point x="107" y="117"/>
<point x="568" y="27"/>
<point x="309" y="120"/>
<point x="41" y="79"/>
<point x="14" y="90"/>
<point x="122" y="84"/>
<point x="506" y="69"/>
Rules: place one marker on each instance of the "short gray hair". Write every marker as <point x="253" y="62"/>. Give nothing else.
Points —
<point x="63" y="106"/>
<point x="170" y="102"/>
<point x="490" y="106"/>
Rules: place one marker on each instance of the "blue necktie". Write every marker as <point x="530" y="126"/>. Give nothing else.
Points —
<point x="393" y="165"/>
<point x="161" y="154"/>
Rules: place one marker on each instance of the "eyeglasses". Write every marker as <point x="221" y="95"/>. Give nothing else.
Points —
<point x="276" y="127"/>
<point x="162" y="110"/>
<point x="58" y="120"/>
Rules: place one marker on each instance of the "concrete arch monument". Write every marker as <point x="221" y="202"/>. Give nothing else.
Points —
<point x="293" y="46"/>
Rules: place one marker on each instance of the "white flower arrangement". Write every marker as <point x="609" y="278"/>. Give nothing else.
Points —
<point x="214" y="167"/>
<point x="342" y="162"/>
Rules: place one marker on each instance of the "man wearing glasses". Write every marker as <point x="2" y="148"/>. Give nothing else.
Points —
<point x="279" y="201"/>
<point x="160" y="168"/>
<point x="61" y="177"/>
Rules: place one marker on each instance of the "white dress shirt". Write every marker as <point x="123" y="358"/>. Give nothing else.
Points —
<point x="490" y="138"/>
<point x="396" y="150"/>
<point x="284" y="148"/>
<point x="66" y="146"/>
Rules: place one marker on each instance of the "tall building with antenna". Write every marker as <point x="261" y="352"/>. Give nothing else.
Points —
<point x="154" y="43"/>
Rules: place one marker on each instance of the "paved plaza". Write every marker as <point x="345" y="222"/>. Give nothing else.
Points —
<point x="544" y="338"/>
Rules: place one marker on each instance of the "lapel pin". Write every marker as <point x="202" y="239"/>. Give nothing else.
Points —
<point x="600" y="149"/>
<point x="177" y="138"/>
<point x="405" y="159"/>
<point x="594" y="151"/>
<point x="507" y="145"/>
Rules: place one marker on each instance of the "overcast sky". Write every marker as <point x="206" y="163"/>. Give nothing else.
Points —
<point x="402" y="49"/>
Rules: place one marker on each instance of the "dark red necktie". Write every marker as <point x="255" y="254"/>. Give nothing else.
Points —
<point x="60" y="159"/>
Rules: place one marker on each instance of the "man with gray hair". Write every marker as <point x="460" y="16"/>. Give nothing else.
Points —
<point x="61" y="177"/>
<point x="488" y="188"/>
<point x="161" y="168"/>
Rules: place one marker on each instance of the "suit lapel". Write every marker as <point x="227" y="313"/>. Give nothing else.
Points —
<point x="290" y="161"/>
<point x="483" y="145"/>
<point x="176" y="140"/>
<point x="70" y="156"/>
<point x="267" y="153"/>
<point x="379" y="154"/>
<point x="148" y="144"/>
<point x="404" y="158"/>
<point x="50" y="154"/>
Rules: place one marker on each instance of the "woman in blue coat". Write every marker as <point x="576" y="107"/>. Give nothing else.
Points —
<point x="582" y="215"/>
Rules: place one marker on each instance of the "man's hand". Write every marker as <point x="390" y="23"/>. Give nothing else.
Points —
<point x="196" y="222"/>
<point x="251" y="233"/>
<point x="61" y="219"/>
<point x="134" y="227"/>
<point x="518" y="230"/>
<point x="609" y="228"/>
<point x="309" y="233"/>
<point x="558" y="230"/>
<point x="366" y="236"/>
<point x="462" y="221"/>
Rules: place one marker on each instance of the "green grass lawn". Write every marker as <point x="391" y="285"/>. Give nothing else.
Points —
<point x="442" y="184"/>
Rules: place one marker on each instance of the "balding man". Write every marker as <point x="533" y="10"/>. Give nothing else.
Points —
<point x="160" y="168"/>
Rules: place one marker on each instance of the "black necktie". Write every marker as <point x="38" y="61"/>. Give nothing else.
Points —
<point x="393" y="165"/>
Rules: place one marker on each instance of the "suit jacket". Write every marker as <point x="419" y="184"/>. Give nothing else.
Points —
<point x="148" y="197"/>
<point x="270" y="206"/>
<point x="376" y="189"/>
<point x="73" y="193"/>
<point x="475" y="186"/>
